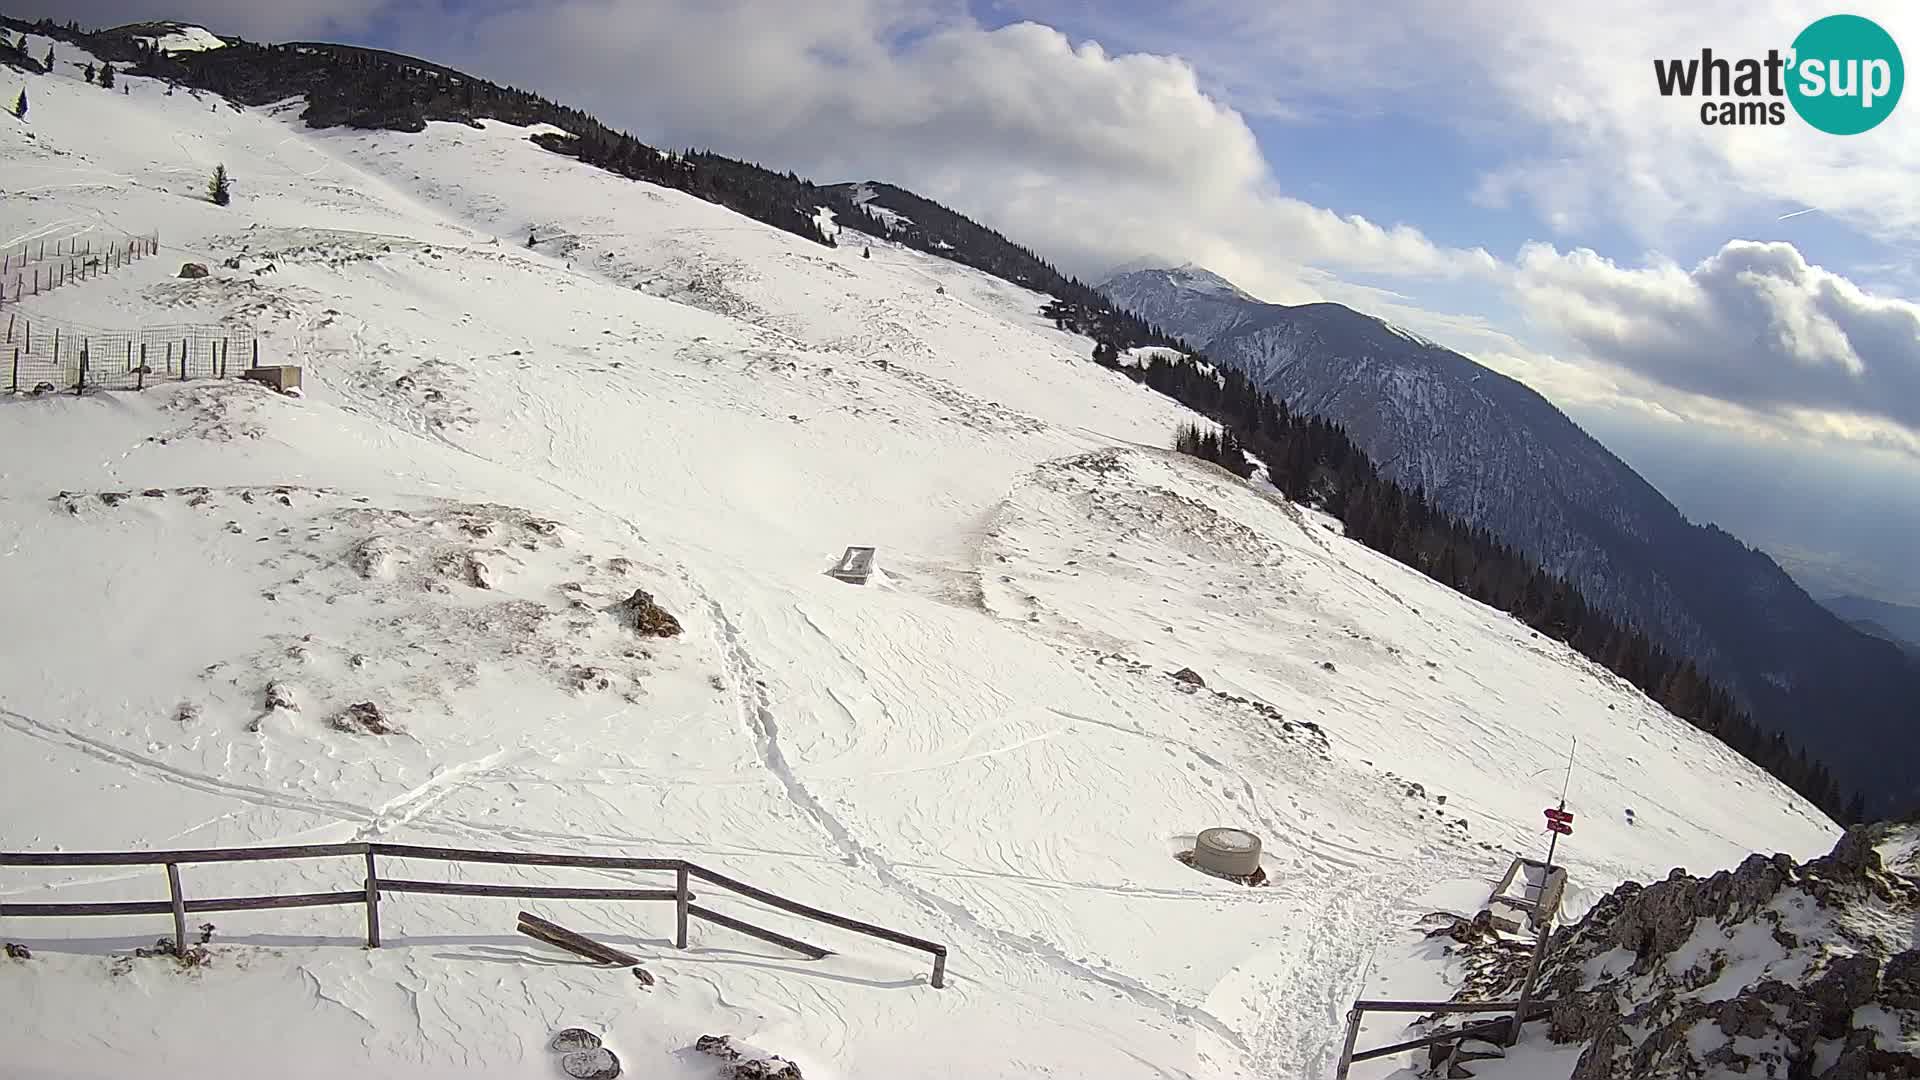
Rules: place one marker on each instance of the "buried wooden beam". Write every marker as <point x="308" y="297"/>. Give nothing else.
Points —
<point x="562" y="938"/>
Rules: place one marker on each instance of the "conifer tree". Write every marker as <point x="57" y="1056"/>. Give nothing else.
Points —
<point x="88" y="72"/>
<point x="20" y="104"/>
<point x="106" y="77"/>
<point x="49" y="60"/>
<point x="220" y="186"/>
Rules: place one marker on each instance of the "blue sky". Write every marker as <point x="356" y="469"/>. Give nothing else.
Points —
<point x="1501" y="177"/>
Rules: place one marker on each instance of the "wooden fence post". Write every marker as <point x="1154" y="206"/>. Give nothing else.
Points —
<point x="256" y="352"/>
<point x="939" y="970"/>
<point x="80" y="387"/>
<point x="179" y="909"/>
<point x="129" y="354"/>
<point x="16" y="369"/>
<point x="56" y="345"/>
<point x="140" y="377"/>
<point x="183" y="359"/>
<point x="373" y="903"/>
<point x="680" y="908"/>
<point x="169" y="357"/>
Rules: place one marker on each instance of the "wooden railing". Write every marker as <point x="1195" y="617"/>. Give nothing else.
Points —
<point x="1505" y="1031"/>
<point x="373" y="886"/>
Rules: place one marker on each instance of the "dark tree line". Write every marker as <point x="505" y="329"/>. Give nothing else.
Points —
<point x="1308" y="458"/>
<point x="1219" y="447"/>
<point x="374" y="89"/>
<point x="1312" y="461"/>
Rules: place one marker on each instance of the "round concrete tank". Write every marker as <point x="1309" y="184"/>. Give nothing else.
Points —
<point x="1232" y="852"/>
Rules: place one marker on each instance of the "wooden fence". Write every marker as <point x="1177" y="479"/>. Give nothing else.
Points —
<point x="374" y="886"/>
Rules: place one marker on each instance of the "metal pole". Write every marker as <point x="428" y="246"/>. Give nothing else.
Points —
<point x="939" y="970"/>
<point x="179" y="910"/>
<point x="373" y="903"/>
<point x="1533" y="973"/>
<point x="1353" y="1036"/>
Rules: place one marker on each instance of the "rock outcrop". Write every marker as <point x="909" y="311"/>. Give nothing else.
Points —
<point x="1772" y="969"/>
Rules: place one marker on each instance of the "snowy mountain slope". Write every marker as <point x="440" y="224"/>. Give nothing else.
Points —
<point x="984" y="746"/>
<point x="1489" y="450"/>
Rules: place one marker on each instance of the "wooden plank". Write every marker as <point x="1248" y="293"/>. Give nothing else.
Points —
<point x="817" y="914"/>
<point x="1436" y="1006"/>
<point x="569" y="946"/>
<point x="164" y="907"/>
<point x="160" y="858"/>
<point x="269" y="903"/>
<point x="554" y="934"/>
<point x="133" y="907"/>
<point x="520" y="858"/>
<point x="1470" y="1030"/>
<point x="538" y="892"/>
<point x="811" y="952"/>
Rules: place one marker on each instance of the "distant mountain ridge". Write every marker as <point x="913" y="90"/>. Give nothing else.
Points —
<point x="1898" y="623"/>
<point x="1492" y="451"/>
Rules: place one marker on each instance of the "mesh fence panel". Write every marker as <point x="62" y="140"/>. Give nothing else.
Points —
<point x="40" y="355"/>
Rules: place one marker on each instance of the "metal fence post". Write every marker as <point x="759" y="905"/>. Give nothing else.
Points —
<point x="1533" y="972"/>
<point x="179" y="909"/>
<point x="373" y="902"/>
<point x="1353" y="1035"/>
<point x="940" y="970"/>
<point x="680" y="908"/>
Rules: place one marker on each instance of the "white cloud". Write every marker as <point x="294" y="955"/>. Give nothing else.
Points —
<point x="1559" y="99"/>
<point x="1755" y="325"/>
<point x="1092" y="155"/>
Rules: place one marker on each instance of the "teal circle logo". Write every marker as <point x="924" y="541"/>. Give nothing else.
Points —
<point x="1846" y="75"/>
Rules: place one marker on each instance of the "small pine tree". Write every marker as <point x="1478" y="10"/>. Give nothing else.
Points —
<point x="866" y="253"/>
<point x="220" y="187"/>
<point x="106" y="77"/>
<point x="20" y="104"/>
<point x="88" y="72"/>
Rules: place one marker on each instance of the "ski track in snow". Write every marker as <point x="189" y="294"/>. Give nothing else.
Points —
<point x="984" y="744"/>
<point x="759" y="715"/>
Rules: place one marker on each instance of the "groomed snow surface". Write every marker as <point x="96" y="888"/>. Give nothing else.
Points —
<point x="983" y="746"/>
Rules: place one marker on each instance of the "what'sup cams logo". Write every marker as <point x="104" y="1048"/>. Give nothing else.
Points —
<point x="1843" y="75"/>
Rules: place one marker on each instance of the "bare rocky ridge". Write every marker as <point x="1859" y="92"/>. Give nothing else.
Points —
<point x="1776" y="968"/>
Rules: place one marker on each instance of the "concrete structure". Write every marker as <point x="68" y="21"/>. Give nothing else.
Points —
<point x="1229" y="852"/>
<point x="282" y="378"/>
<point x="855" y="566"/>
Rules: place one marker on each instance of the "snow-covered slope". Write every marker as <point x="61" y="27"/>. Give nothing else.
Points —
<point x="1493" y="452"/>
<point x="984" y="746"/>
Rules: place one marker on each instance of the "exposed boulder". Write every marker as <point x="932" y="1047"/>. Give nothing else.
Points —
<point x="1189" y="676"/>
<point x="646" y="617"/>
<point x="193" y="270"/>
